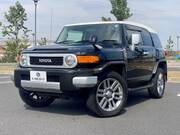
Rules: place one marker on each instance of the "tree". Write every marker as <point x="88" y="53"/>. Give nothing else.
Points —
<point x="43" y="41"/>
<point x="13" y="51"/>
<point x="106" y="19"/>
<point x="120" y="10"/>
<point x="15" y="30"/>
<point x="170" y="44"/>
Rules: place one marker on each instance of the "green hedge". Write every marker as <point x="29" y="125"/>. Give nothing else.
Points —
<point x="8" y="64"/>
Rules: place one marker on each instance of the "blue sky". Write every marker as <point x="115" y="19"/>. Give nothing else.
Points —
<point x="162" y="15"/>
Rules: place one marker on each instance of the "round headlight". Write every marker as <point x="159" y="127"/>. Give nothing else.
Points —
<point x="23" y="60"/>
<point x="71" y="60"/>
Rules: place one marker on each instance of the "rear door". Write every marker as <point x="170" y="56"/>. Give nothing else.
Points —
<point x="141" y="61"/>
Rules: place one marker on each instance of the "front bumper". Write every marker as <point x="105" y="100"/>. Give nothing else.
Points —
<point x="58" y="80"/>
<point x="40" y="86"/>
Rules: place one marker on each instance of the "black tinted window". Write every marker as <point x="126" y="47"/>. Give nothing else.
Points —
<point x="156" y="41"/>
<point x="147" y="41"/>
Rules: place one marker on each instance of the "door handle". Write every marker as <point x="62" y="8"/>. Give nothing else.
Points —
<point x="145" y="53"/>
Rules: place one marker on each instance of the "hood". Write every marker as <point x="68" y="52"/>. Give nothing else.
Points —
<point x="61" y="48"/>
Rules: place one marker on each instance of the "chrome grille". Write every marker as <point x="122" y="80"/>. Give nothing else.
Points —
<point x="55" y="61"/>
<point x="47" y="60"/>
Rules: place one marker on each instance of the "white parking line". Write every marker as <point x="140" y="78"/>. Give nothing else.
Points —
<point x="6" y="82"/>
<point x="173" y="81"/>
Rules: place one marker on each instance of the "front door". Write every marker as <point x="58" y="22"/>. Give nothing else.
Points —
<point x="141" y="61"/>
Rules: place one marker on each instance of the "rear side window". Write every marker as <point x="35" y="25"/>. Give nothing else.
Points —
<point x="147" y="41"/>
<point x="156" y="41"/>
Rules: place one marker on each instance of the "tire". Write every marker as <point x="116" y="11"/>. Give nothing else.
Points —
<point x="111" y="100"/>
<point x="159" y="81"/>
<point x="34" y="100"/>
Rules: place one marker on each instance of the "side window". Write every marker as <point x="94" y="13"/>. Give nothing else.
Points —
<point x="147" y="41"/>
<point x="74" y="35"/>
<point x="129" y="34"/>
<point x="156" y="41"/>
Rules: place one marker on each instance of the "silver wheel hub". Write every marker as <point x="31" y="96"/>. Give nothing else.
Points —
<point x="160" y="84"/>
<point x="109" y="94"/>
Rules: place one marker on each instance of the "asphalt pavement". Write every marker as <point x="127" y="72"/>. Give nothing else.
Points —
<point x="142" y="115"/>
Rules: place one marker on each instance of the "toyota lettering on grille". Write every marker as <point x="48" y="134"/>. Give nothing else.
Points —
<point x="45" y="61"/>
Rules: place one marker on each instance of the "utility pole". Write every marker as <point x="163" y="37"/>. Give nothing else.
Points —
<point x="178" y="43"/>
<point x="51" y="26"/>
<point x="35" y="37"/>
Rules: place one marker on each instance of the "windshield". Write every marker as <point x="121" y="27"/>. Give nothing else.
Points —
<point x="106" y="35"/>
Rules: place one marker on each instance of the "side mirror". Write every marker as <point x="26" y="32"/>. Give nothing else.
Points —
<point x="136" y="39"/>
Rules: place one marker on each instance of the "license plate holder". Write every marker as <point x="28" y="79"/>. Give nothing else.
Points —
<point x="38" y="76"/>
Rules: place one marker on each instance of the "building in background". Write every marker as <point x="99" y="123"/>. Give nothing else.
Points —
<point x="2" y="51"/>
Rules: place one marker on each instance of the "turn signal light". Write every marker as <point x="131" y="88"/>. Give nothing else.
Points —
<point x="88" y="59"/>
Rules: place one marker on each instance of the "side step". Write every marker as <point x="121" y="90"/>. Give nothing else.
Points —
<point x="141" y="87"/>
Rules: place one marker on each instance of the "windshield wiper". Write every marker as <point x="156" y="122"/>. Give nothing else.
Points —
<point x="84" y="41"/>
<point x="65" y="42"/>
<point x="111" y="42"/>
<point x="96" y="46"/>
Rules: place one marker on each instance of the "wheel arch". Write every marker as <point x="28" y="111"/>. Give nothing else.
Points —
<point x="163" y="65"/>
<point x="120" y="68"/>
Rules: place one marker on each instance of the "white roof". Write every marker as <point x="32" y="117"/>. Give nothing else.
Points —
<point x="116" y="22"/>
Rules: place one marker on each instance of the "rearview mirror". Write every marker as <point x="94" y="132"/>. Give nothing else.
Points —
<point x="135" y="41"/>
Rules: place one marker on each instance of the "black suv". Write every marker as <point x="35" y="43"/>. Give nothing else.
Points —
<point x="100" y="62"/>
